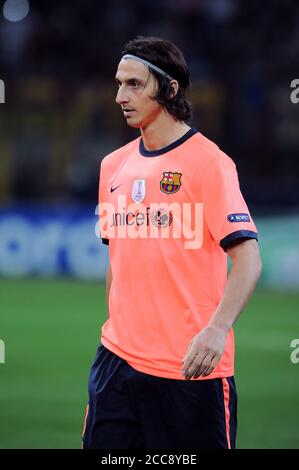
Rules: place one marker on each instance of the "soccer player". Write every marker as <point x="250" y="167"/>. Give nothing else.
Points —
<point x="163" y="376"/>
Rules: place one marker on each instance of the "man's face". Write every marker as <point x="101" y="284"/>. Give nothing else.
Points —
<point x="136" y="86"/>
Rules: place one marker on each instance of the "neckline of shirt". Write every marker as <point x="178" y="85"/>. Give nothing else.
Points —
<point x="156" y="153"/>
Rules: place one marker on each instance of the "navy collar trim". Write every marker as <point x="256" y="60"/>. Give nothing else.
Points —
<point x="155" y="153"/>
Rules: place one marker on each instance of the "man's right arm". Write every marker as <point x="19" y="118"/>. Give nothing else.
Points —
<point x="108" y="285"/>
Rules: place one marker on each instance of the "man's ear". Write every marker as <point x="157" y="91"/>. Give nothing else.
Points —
<point x="175" y="88"/>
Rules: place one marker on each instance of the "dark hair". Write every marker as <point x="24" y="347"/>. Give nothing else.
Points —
<point x="168" y="57"/>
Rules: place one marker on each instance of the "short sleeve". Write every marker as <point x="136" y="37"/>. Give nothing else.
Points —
<point x="225" y="211"/>
<point x="103" y="198"/>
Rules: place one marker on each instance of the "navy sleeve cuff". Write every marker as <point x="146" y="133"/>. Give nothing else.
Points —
<point x="237" y="237"/>
<point x="105" y="241"/>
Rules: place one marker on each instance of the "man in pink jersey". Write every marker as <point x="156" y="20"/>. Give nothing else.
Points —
<point x="170" y="210"/>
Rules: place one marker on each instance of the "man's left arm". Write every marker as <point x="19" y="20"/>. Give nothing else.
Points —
<point x="207" y="347"/>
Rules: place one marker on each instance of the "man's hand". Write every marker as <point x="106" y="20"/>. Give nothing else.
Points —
<point x="206" y="348"/>
<point x="204" y="352"/>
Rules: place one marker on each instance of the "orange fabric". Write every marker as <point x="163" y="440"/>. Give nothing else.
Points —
<point x="163" y="294"/>
<point x="226" y="408"/>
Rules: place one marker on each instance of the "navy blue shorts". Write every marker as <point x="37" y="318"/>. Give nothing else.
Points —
<point x="128" y="409"/>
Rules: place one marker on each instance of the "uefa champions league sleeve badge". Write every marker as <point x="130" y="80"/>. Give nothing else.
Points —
<point x="138" y="190"/>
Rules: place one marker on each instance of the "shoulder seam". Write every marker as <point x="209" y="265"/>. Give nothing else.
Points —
<point x="123" y="147"/>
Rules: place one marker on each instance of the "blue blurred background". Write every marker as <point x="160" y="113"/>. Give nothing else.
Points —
<point x="57" y="62"/>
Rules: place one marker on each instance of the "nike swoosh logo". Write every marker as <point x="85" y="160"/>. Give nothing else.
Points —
<point x="113" y="189"/>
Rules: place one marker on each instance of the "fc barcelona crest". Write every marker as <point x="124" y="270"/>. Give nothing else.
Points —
<point x="171" y="182"/>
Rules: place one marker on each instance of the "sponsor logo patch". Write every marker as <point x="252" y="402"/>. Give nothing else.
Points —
<point x="161" y="218"/>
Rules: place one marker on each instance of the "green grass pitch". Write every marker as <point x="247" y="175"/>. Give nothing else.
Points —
<point x="51" y="331"/>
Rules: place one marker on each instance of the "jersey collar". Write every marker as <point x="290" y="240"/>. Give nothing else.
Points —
<point x="156" y="153"/>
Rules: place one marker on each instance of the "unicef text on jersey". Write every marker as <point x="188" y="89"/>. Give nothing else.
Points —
<point x="155" y="220"/>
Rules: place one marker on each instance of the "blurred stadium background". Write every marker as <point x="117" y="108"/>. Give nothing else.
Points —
<point x="57" y="62"/>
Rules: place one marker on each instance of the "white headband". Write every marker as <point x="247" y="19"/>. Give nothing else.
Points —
<point x="145" y="62"/>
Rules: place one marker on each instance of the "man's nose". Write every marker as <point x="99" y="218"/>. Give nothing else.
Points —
<point x="121" y="96"/>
